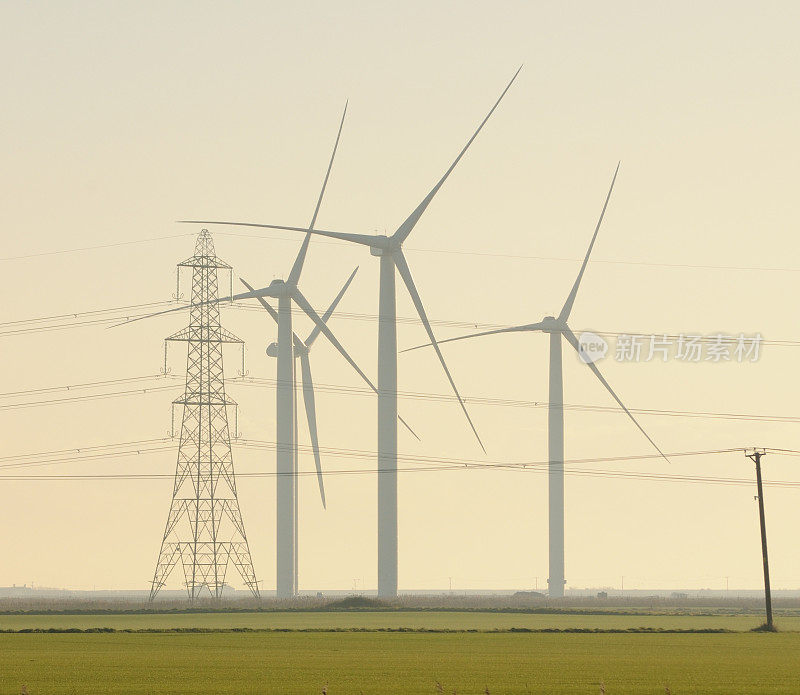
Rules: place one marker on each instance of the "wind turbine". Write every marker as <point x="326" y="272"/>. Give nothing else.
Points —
<point x="390" y="251"/>
<point x="302" y="348"/>
<point x="286" y="511"/>
<point x="557" y="328"/>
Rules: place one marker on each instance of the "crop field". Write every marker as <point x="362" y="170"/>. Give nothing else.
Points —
<point x="378" y="663"/>
<point x="375" y="620"/>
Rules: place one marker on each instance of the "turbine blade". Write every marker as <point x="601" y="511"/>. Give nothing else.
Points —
<point x="405" y="229"/>
<point x="573" y="340"/>
<point x="184" y="307"/>
<point x="363" y="239"/>
<point x="303" y="303"/>
<point x="330" y="166"/>
<point x="274" y="314"/>
<point x="565" y="312"/>
<point x="311" y="416"/>
<point x="262" y="301"/>
<point x="513" y="329"/>
<point x="252" y="294"/>
<point x="405" y="273"/>
<point x="297" y="268"/>
<point x="407" y="426"/>
<point x="315" y="331"/>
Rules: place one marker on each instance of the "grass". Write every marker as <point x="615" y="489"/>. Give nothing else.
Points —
<point x="380" y="663"/>
<point x="430" y="620"/>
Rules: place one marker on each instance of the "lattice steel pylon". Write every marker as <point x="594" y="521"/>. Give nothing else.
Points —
<point x="204" y="530"/>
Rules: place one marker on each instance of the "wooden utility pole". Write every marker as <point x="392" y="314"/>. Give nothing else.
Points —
<point x="755" y="456"/>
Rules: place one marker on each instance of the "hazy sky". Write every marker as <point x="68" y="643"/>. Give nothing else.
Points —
<point x="120" y="118"/>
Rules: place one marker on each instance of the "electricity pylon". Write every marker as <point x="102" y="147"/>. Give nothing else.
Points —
<point x="204" y="530"/>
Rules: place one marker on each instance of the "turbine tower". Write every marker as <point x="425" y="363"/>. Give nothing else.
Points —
<point x="302" y="349"/>
<point x="204" y="530"/>
<point x="389" y="249"/>
<point x="556" y="328"/>
<point x="286" y="507"/>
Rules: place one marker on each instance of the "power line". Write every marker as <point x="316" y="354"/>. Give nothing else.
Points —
<point x="516" y="403"/>
<point x="97" y="246"/>
<point x="87" y="397"/>
<point x="22" y="326"/>
<point x="450" y="252"/>
<point x="579" y="472"/>
<point x="362" y="391"/>
<point x="100" y="452"/>
<point x="81" y="319"/>
<point x="146" y="445"/>
<point x="57" y="327"/>
<point x="88" y="384"/>
<point x="517" y="256"/>
<point x="483" y="325"/>
<point x="85" y="449"/>
<point x="54" y="317"/>
<point x="424" y="464"/>
<point x="143" y="444"/>
<point x="467" y="462"/>
<point x="782" y="452"/>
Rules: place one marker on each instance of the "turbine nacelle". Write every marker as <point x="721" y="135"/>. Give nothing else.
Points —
<point x="382" y="244"/>
<point x="550" y="324"/>
<point x="299" y="349"/>
<point x="277" y="288"/>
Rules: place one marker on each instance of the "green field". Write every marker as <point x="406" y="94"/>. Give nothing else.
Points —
<point x="382" y="663"/>
<point x="434" y="620"/>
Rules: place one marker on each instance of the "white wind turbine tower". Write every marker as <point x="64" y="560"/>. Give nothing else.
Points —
<point x="557" y="328"/>
<point x="286" y="442"/>
<point x="390" y="251"/>
<point x="301" y="350"/>
<point x="287" y="292"/>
